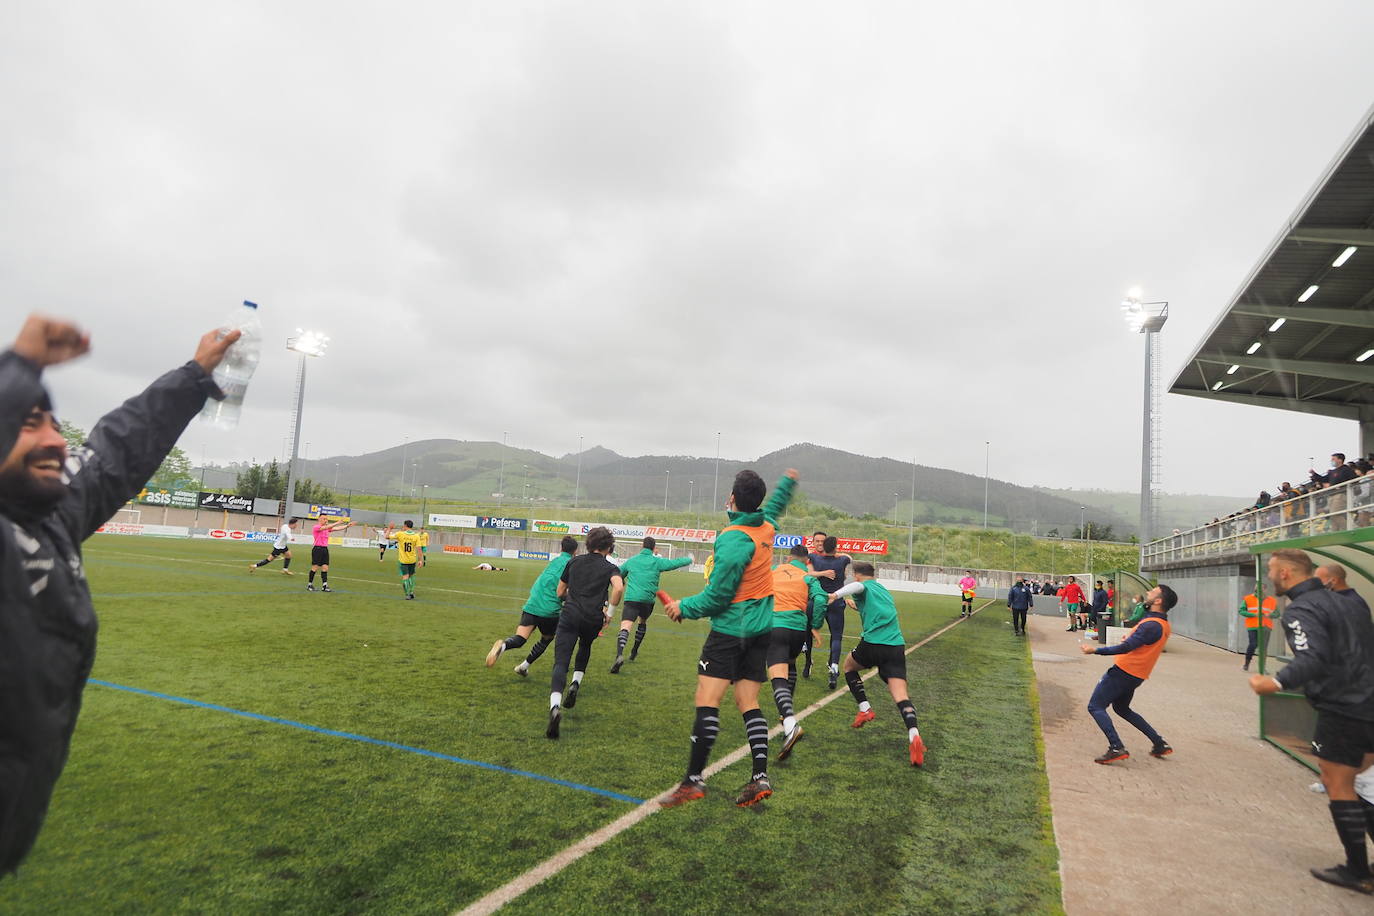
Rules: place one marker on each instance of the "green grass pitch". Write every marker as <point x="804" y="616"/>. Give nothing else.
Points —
<point x="166" y="806"/>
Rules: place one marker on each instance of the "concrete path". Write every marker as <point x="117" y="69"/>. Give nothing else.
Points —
<point x="1225" y="825"/>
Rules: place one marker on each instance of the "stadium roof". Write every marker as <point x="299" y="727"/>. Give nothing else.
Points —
<point x="1308" y="305"/>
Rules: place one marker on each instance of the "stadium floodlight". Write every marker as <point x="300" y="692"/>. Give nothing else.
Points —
<point x="1147" y="318"/>
<point x="1232" y="370"/>
<point x="1364" y="356"/>
<point x="1308" y="293"/>
<point x="1253" y="347"/>
<point x="1217" y="386"/>
<point x="1344" y="256"/>
<point x="1278" y="323"/>
<point x="307" y="344"/>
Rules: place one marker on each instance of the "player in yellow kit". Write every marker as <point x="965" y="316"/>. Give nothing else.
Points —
<point x="424" y="548"/>
<point x="407" y="555"/>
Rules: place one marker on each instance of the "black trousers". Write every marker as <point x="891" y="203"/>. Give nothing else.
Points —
<point x="1018" y="619"/>
<point x="572" y="633"/>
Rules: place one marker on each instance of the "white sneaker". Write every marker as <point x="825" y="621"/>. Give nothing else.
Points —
<point x="1317" y="787"/>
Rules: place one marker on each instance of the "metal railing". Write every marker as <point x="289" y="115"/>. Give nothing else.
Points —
<point x="1340" y="508"/>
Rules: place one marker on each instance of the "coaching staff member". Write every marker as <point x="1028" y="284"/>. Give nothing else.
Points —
<point x="52" y="499"/>
<point x="1332" y="639"/>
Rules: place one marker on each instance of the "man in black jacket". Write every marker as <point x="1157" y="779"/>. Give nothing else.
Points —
<point x="1332" y="640"/>
<point x="52" y="499"/>
<point x="1020" y="601"/>
<point x="1099" y="605"/>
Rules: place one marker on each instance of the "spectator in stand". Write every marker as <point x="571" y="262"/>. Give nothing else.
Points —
<point x="1286" y="491"/>
<point x="1262" y="500"/>
<point x="1340" y="471"/>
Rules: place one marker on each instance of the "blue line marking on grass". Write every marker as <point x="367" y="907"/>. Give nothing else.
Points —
<point x="605" y="793"/>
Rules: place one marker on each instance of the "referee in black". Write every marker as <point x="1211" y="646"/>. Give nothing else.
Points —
<point x="1332" y="640"/>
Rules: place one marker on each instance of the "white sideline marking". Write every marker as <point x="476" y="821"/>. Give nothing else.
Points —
<point x="551" y="866"/>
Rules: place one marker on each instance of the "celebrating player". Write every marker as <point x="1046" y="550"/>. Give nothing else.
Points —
<point x="382" y="543"/>
<point x="407" y="555"/>
<point x="590" y="587"/>
<point x="829" y="569"/>
<point x="880" y="644"/>
<point x="540" y="610"/>
<point x="281" y="547"/>
<point x="319" y="554"/>
<point x="968" y="590"/>
<point x="798" y="608"/>
<point x="739" y="601"/>
<point x="640" y="573"/>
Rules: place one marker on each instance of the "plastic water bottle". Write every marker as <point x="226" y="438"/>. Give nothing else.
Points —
<point x="236" y="370"/>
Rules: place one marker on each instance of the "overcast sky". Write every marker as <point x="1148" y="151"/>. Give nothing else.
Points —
<point x="899" y="229"/>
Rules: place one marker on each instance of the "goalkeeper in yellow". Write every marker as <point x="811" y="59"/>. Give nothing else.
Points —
<point x="408" y="542"/>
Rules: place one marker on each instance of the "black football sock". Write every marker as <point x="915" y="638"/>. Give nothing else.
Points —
<point x="514" y="642"/>
<point x="286" y="564"/>
<point x="312" y="577"/>
<point x="1350" y="827"/>
<point x="782" y="695"/>
<point x="756" y="727"/>
<point x="620" y="640"/>
<point x="856" y="686"/>
<point x="639" y="637"/>
<point x="704" y="732"/>
<point x="324" y="577"/>
<point x="538" y="649"/>
<point x="908" y="711"/>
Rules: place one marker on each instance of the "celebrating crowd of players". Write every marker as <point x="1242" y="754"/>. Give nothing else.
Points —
<point x="763" y="619"/>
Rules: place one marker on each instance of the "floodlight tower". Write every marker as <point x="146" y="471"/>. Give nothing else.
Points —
<point x="1148" y="318"/>
<point x="307" y="344"/>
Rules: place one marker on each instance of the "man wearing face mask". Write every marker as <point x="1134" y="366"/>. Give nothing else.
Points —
<point x="1332" y="640"/>
<point x="51" y="500"/>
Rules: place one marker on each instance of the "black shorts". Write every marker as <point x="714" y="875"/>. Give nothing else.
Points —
<point x="890" y="660"/>
<point x="1341" y="739"/>
<point x="735" y="658"/>
<point x="406" y="569"/>
<point x="547" y="625"/>
<point x="636" y="610"/>
<point x="319" y="556"/>
<point x="785" y="645"/>
<point x="278" y="551"/>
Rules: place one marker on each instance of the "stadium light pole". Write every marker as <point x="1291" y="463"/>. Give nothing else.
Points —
<point x="306" y="344"/>
<point x="526" y="494"/>
<point x="895" y="499"/>
<point x="911" y="526"/>
<point x="578" y="485"/>
<point x="691" y="492"/>
<point x="1082" y="528"/>
<point x="667" y="476"/>
<point x="336" y="475"/>
<point x="401" y="490"/>
<point x="501" y="474"/>
<point x="1147" y="318"/>
<point x="987" y="457"/>
<point x="424" y="498"/>
<point x="715" y="491"/>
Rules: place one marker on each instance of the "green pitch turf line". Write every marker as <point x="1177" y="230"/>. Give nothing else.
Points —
<point x="366" y="740"/>
<point x="551" y="866"/>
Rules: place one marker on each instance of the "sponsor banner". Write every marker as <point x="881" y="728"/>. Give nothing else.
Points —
<point x="786" y="541"/>
<point x="158" y="531"/>
<point x="329" y="513"/>
<point x="509" y="554"/>
<point x="486" y="551"/>
<point x="119" y="528"/>
<point x="552" y="527"/>
<point x="452" y="521"/>
<point x="861" y="545"/>
<point x="695" y="535"/>
<point x="457" y="548"/>
<point x="175" y="499"/>
<point x="531" y="555"/>
<point x="221" y="534"/>
<point x="226" y="501"/>
<point x="501" y="523"/>
<point x="261" y="536"/>
<point x="359" y="542"/>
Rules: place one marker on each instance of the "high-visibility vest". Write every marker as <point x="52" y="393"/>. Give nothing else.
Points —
<point x="757" y="581"/>
<point x="1141" y="662"/>
<point x="790" y="591"/>
<point x="1252" y="604"/>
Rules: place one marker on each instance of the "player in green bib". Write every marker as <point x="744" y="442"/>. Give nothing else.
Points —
<point x="541" y="611"/>
<point x="880" y="645"/>
<point x="640" y="573"/>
